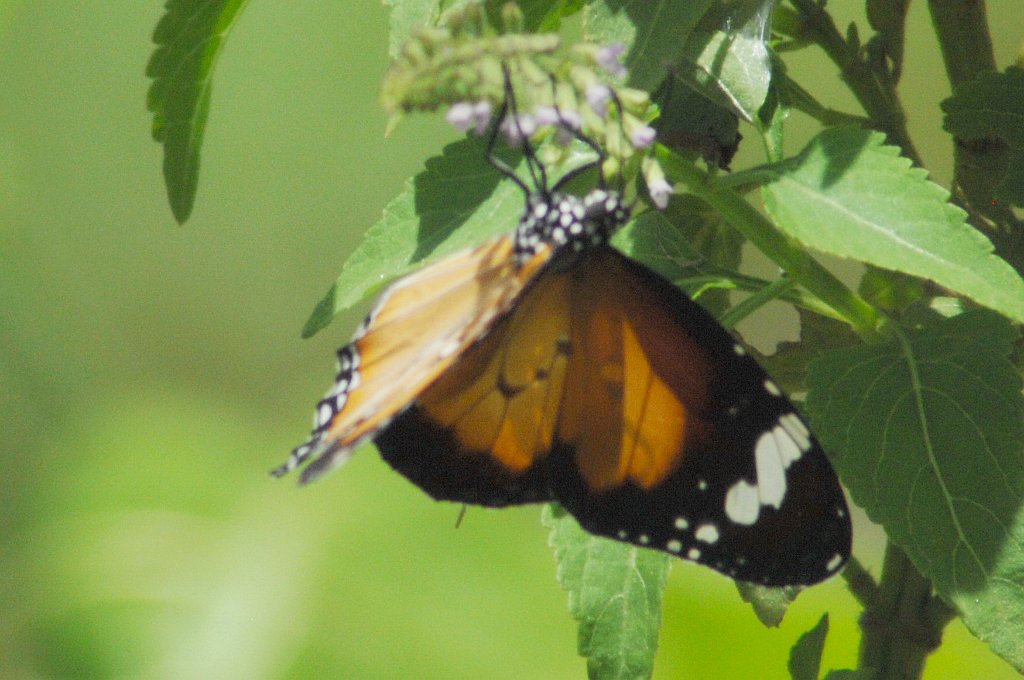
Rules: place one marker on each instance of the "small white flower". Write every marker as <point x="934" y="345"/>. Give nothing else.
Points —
<point x="550" y="115"/>
<point x="460" y="116"/>
<point x="608" y="58"/>
<point x="546" y="115"/>
<point x="481" y="116"/>
<point x="598" y="96"/>
<point x="642" y="136"/>
<point x="464" y="116"/>
<point x="518" y="128"/>
<point x="660" y="190"/>
<point x="570" y="120"/>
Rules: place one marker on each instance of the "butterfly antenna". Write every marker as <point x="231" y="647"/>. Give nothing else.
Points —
<point x="538" y="175"/>
<point x="492" y="140"/>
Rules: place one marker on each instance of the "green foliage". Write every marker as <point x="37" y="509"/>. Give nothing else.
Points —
<point x="927" y="432"/>
<point x="189" y="39"/>
<point x="655" y="33"/>
<point x="992" y="105"/>
<point x="805" y="656"/>
<point x="455" y="202"/>
<point x="406" y="15"/>
<point x="615" y="593"/>
<point x="727" y="57"/>
<point x="770" y="604"/>
<point x="847" y="194"/>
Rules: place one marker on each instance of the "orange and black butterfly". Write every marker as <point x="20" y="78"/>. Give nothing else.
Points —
<point x="547" y="366"/>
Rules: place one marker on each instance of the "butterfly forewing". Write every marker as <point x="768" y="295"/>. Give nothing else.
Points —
<point x="417" y="330"/>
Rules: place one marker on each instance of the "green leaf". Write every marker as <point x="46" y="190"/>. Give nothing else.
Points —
<point x="542" y="15"/>
<point x="805" y="655"/>
<point x="726" y="57"/>
<point x="189" y="38"/>
<point x="788" y="365"/>
<point x="654" y="32"/>
<point x="992" y="105"/>
<point x="693" y="124"/>
<point x="615" y="592"/>
<point x="770" y="604"/>
<point x="927" y="435"/>
<point x="847" y="194"/>
<point x="687" y="243"/>
<point x="406" y="15"/>
<point x="458" y="201"/>
<point x="660" y="243"/>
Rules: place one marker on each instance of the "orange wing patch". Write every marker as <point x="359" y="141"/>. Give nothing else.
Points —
<point x="584" y="361"/>
<point x="502" y="398"/>
<point x="632" y="400"/>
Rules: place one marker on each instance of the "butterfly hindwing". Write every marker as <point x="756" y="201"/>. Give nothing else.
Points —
<point x="715" y="464"/>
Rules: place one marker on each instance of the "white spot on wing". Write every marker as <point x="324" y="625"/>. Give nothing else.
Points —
<point x="674" y="545"/>
<point x="622" y="535"/>
<point x="323" y="415"/>
<point x="797" y="430"/>
<point x="738" y="348"/>
<point x="771" y="475"/>
<point x="772" y="388"/>
<point x="682" y="523"/>
<point x="834" y="563"/>
<point x="643" y="539"/>
<point x="354" y="381"/>
<point x="788" y="449"/>
<point x="707" y="533"/>
<point x="742" y="504"/>
<point x="693" y="554"/>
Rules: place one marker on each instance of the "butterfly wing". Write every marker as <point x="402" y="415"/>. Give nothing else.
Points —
<point x="607" y="389"/>
<point x="421" y="326"/>
<point x="477" y="434"/>
<point x="696" y="451"/>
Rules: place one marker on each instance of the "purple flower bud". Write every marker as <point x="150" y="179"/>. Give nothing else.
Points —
<point x="460" y="116"/>
<point x="546" y="115"/>
<point x="642" y="137"/>
<point x="608" y="58"/>
<point x="481" y="116"/>
<point x="571" y="120"/>
<point x="598" y="96"/>
<point x="660" y="190"/>
<point x="518" y="128"/>
<point x="565" y="122"/>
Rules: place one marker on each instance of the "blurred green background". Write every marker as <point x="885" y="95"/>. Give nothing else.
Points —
<point x="151" y="375"/>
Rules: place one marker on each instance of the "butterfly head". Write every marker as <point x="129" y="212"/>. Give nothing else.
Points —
<point x="568" y="223"/>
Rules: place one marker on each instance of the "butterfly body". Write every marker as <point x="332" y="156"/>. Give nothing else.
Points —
<point x="547" y="366"/>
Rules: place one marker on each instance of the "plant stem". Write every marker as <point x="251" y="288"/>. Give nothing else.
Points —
<point x="874" y="89"/>
<point x="962" y="29"/>
<point x="794" y="260"/>
<point x="904" y="623"/>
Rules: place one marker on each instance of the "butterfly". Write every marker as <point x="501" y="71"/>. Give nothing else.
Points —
<point x="545" y="365"/>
